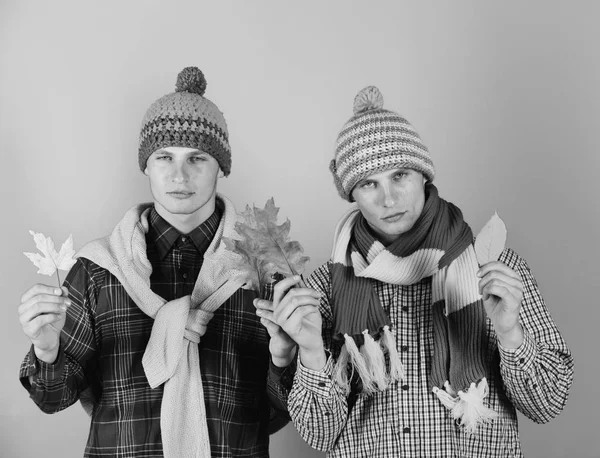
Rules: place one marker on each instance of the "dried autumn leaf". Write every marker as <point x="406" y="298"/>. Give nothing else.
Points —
<point x="490" y="241"/>
<point x="50" y="260"/>
<point x="264" y="246"/>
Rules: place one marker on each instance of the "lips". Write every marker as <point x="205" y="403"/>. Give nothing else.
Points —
<point x="180" y="194"/>
<point x="393" y="218"/>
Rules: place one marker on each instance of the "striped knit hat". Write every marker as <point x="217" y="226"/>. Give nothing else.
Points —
<point x="186" y="118"/>
<point x="375" y="140"/>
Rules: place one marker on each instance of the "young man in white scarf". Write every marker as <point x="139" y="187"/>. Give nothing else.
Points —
<point x="153" y="331"/>
<point x="408" y="347"/>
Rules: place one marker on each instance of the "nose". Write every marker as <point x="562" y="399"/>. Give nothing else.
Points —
<point x="180" y="174"/>
<point x="389" y="196"/>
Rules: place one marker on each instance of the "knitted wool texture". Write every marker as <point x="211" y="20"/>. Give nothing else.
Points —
<point x="186" y="118"/>
<point x="375" y="140"/>
<point x="171" y="356"/>
<point x="439" y="246"/>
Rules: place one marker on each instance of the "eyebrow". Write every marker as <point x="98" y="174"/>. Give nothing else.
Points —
<point x="163" y="151"/>
<point x="391" y="172"/>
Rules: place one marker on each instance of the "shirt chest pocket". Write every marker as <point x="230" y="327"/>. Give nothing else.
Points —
<point x="120" y="324"/>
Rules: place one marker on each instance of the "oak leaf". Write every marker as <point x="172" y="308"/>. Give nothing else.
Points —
<point x="264" y="246"/>
<point x="490" y="241"/>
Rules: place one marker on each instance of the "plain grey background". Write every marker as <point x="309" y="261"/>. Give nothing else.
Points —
<point x="504" y="94"/>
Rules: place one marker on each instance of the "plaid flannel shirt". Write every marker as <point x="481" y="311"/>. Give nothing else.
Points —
<point x="408" y="420"/>
<point x="104" y="339"/>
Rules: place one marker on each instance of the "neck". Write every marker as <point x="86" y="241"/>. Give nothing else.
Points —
<point x="186" y="223"/>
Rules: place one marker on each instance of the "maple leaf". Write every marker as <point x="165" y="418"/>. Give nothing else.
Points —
<point x="264" y="246"/>
<point x="490" y="241"/>
<point x="51" y="261"/>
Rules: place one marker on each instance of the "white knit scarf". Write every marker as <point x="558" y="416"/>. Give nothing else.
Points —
<point x="171" y="356"/>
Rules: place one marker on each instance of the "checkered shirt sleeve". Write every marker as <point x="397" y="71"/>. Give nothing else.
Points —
<point x="538" y="374"/>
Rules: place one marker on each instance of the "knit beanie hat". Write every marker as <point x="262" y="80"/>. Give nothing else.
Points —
<point x="375" y="140"/>
<point x="186" y="118"/>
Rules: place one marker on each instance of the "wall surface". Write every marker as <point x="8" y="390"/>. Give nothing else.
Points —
<point x="505" y="95"/>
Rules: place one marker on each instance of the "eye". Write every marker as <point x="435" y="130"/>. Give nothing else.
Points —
<point x="399" y="175"/>
<point x="196" y="159"/>
<point x="367" y="184"/>
<point x="163" y="157"/>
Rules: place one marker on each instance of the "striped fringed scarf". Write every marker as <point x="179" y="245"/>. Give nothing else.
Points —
<point x="439" y="245"/>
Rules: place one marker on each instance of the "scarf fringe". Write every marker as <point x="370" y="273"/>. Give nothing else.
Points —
<point x="358" y="362"/>
<point x="388" y="345"/>
<point x="340" y="371"/>
<point x="369" y="362"/>
<point x="374" y="361"/>
<point x="447" y="396"/>
<point x="467" y="406"/>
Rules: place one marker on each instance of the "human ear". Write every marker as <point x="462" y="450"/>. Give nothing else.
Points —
<point x="221" y="174"/>
<point x="146" y="171"/>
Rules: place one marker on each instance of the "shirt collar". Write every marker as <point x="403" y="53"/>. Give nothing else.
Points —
<point x="164" y="236"/>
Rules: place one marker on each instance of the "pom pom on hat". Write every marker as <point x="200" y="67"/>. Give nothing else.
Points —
<point x="191" y="79"/>
<point x="368" y="99"/>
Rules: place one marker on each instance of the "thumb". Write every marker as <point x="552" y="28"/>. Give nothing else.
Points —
<point x="272" y="328"/>
<point x="65" y="291"/>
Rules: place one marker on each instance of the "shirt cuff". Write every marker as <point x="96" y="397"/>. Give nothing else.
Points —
<point x="39" y="369"/>
<point x="521" y="358"/>
<point x="282" y="375"/>
<point x="318" y="382"/>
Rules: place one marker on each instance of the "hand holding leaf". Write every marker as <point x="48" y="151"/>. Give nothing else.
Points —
<point x="500" y="286"/>
<point x="51" y="261"/>
<point x="42" y="312"/>
<point x="267" y="255"/>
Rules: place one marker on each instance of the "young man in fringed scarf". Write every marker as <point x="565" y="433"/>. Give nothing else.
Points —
<point x="407" y="347"/>
<point x="153" y="330"/>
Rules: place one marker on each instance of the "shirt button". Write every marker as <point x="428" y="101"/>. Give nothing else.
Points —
<point x="321" y="384"/>
<point x="404" y="348"/>
<point x="185" y="275"/>
<point x="406" y="430"/>
<point x="522" y="360"/>
<point x="405" y="387"/>
<point x="405" y="308"/>
<point x="183" y="239"/>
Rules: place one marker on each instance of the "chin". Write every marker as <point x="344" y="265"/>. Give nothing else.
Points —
<point x="181" y="208"/>
<point x="395" y="232"/>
